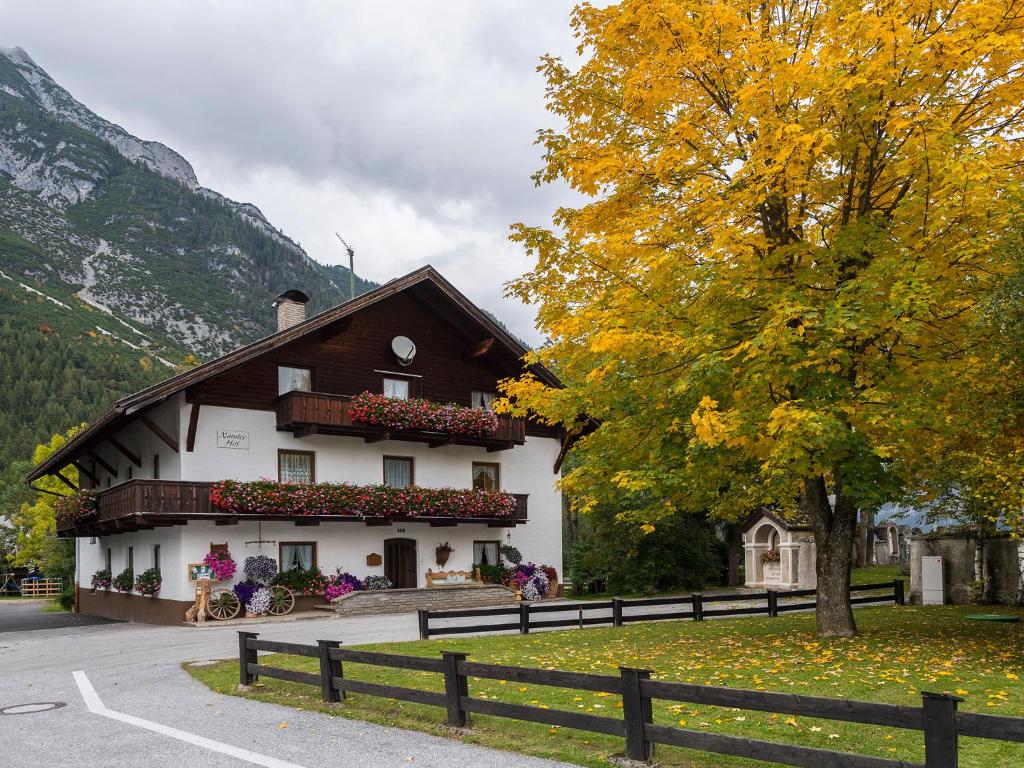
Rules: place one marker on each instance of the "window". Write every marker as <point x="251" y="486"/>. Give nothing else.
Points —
<point x="109" y="478"/>
<point x="398" y="471"/>
<point x="130" y="468"/>
<point x="131" y="559"/>
<point x="109" y="559"/>
<point x="156" y="556"/>
<point x="296" y="466"/>
<point x="297" y="554"/>
<point x="486" y="477"/>
<point x="485" y="552"/>
<point x="292" y="379"/>
<point x="483" y="400"/>
<point x="397" y="388"/>
<point x="156" y="466"/>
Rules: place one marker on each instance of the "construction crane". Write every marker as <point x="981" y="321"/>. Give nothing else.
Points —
<point x="351" y="267"/>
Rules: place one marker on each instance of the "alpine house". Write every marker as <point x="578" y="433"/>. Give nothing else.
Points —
<point x="358" y="439"/>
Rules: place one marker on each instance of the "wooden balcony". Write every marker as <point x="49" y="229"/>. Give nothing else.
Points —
<point x="307" y="413"/>
<point x="139" y="505"/>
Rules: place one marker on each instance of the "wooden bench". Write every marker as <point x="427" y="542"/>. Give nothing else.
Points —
<point x="454" y="578"/>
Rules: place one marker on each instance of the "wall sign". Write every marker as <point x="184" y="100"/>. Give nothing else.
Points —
<point x="373" y="559"/>
<point x="235" y="439"/>
<point x="200" y="572"/>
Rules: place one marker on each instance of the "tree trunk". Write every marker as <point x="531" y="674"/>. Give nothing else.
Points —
<point x="834" y="531"/>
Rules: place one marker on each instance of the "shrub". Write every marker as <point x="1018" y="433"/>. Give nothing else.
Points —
<point x="223" y="566"/>
<point x="124" y="581"/>
<point x="260" y="568"/>
<point x="489" y="573"/>
<point x="148" y="582"/>
<point x="306" y="582"/>
<point x="259" y="603"/>
<point x="101" y="579"/>
<point x="244" y="590"/>
<point x="510" y="553"/>
<point x="377" y="583"/>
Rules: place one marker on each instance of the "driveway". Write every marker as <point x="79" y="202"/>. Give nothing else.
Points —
<point x="135" y="670"/>
<point x="22" y="615"/>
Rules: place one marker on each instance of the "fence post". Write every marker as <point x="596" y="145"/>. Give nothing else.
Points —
<point x="329" y="669"/>
<point x="246" y="656"/>
<point x="455" y="687"/>
<point x="940" y="734"/>
<point x="698" y="606"/>
<point x="616" y="611"/>
<point x="524" y="618"/>
<point x="773" y="603"/>
<point x="636" y="711"/>
<point x="424" y="619"/>
<point x="898" y="595"/>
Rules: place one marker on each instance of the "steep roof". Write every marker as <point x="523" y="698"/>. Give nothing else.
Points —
<point x="122" y="410"/>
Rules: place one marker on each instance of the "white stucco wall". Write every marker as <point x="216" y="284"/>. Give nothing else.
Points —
<point x="523" y="469"/>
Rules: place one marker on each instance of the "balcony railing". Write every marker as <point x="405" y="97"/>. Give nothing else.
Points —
<point x="306" y="413"/>
<point x="144" y="504"/>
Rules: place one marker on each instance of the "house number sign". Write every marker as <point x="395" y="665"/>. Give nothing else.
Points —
<point x="234" y="439"/>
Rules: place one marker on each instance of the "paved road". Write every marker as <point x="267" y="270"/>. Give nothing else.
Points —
<point x="22" y="615"/>
<point x="134" y="669"/>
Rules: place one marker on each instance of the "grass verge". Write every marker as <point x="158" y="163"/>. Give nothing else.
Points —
<point x="900" y="652"/>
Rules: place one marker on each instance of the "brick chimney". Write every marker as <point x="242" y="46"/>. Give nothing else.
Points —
<point x="291" y="308"/>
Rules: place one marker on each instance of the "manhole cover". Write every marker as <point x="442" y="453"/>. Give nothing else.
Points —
<point x="29" y="709"/>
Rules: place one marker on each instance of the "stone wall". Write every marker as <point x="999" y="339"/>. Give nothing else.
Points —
<point x="958" y="566"/>
<point x="433" y="598"/>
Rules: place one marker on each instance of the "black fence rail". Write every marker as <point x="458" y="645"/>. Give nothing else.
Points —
<point x="617" y="611"/>
<point x="937" y="717"/>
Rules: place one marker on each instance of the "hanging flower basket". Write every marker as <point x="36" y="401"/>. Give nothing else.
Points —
<point x="443" y="552"/>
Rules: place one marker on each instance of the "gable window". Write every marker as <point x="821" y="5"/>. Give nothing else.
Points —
<point x="396" y="388"/>
<point x="294" y="379"/>
<point x="130" y="468"/>
<point x="397" y="471"/>
<point x="483" y="400"/>
<point x="485" y="553"/>
<point x="296" y="466"/>
<point x="486" y="476"/>
<point x="297" y="555"/>
<point x="156" y="466"/>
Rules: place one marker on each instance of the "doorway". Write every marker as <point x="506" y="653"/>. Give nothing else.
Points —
<point x="400" y="562"/>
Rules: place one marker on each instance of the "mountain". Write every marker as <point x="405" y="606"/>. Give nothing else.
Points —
<point x="116" y="265"/>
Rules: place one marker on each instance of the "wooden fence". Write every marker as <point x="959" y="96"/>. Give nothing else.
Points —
<point x="937" y="717"/>
<point x="41" y="587"/>
<point x="697" y="607"/>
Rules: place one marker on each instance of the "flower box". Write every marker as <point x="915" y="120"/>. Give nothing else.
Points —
<point x="270" y="497"/>
<point x="423" y="415"/>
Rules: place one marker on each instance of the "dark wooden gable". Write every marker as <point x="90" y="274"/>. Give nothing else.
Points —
<point x="453" y="356"/>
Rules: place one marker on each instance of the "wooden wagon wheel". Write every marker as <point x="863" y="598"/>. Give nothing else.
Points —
<point x="282" y="600"/>
<point x="223" y="604"/>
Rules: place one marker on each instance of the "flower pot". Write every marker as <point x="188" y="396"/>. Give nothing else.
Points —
<point x="442" y="555"/>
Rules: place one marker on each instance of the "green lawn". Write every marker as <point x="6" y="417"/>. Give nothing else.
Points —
<point x="900" y="652"/>
<point x="878" y="574"/>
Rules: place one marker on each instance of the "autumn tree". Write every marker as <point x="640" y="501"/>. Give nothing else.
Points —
<point x="35" y="524"/>
<point x="767" y="293"/>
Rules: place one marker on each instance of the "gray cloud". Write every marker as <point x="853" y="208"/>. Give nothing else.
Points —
<point x="409" y="125"/>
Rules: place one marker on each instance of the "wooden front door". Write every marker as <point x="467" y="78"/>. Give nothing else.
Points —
<point x="400" y="562"/>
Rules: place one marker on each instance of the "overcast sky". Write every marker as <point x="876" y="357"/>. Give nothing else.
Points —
<point x="408" y="127"/>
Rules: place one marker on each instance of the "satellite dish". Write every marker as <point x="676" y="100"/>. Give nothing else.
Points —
<point x="404" y="349"/>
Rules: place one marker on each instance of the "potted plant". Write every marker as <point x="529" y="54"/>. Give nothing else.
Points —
<point x="223" y="565"/>
<point x="101" y="579"/>
<point x="443" y="551"/>
<point x="148" y="582"/>
<point x="124" y="581"/>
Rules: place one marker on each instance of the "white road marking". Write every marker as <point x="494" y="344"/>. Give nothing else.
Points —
<point x="94" y="705"/>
